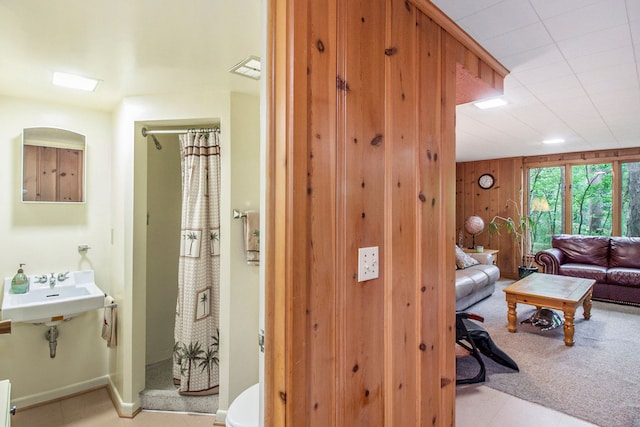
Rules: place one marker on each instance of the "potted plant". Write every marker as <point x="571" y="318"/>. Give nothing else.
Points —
<point x="520" y="229"/>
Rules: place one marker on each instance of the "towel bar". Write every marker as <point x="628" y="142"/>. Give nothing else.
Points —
<point x="113" y="304"/>
<point x="238" y="214"/>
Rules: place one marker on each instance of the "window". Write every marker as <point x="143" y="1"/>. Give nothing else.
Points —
<point x="591" y="204"/>
<point x="630" y="224"/>
<point x="546" y="205"/>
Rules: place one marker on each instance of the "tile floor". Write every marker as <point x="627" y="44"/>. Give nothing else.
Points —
<point x="476" y="406"/>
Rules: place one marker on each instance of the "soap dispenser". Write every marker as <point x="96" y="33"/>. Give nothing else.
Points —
<point x="20" y="282"/>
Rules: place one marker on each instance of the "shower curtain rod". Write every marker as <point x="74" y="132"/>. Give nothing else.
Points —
<point x="146" y="131"/>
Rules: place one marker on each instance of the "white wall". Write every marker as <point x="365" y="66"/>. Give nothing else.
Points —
<point x="45" y="237"/>
<point x="113" y="224"/>
<point x="245" y="195"/>
<point x="129" y="207"/>
<point x="164" y="199"/>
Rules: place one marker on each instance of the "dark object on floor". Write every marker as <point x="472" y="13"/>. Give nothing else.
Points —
<point x="475" y="339"/>
<point x="545" y="319"/>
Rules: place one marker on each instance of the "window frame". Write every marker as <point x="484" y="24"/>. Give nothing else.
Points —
<point x="616" y="162"/>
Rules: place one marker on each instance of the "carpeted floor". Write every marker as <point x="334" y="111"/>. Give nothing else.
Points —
<point x="598" y="379"/>
<point x="161" y="394"/>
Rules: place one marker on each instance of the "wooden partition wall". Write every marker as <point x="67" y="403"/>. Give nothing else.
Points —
<point x="361" y="152"/>
<point x="473" y="200"/>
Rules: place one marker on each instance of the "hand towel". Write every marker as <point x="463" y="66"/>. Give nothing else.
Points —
<point x="252" y="237"/>
<point x="110" y="321"/>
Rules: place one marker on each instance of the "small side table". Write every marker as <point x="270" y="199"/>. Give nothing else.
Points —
<point x="493" y="252"/>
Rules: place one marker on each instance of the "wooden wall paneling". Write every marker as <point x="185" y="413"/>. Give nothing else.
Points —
<point x="583" y="157"/>
<point x="363" y="142"/>
<point x="488" y="203"/>
<point x="460" y="187"/>
<point x="486" y="74"/>
<point x="48" y="170"/>
<point x="70" y="175"/>
<point x="469" y="194"/>
<point x="510" y="176"/>
<point x="275" y="256"/>
<point x="402" y="198"/>
<point x="339" y="354"/>
<point x="430" y="286"/>
<point x="324" y="277"/>
<point x="446" y="260"/>
<point x="298" y="228"/>
<point x="482" y="199"/>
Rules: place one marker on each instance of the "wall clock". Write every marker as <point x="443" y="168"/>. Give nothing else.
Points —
<point x="486" y="181"/>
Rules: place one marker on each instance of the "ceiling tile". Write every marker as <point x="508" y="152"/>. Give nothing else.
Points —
<point x="620" y="56"/>
<point x="549" y="8"/>
<point x="514" y="42"/>
<point x="543" y="74"/>
<point x="599" y="41"/>
<point x="568" y="87"/>
<point x="609" y="79"/>
<point x="633" y="10"/>
<point x="532" y="58"/>
<point x="587" y="19"/>
<point x="500" y="19"/>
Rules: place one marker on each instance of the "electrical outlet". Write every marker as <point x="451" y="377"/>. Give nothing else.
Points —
<point x="368" y="263"/>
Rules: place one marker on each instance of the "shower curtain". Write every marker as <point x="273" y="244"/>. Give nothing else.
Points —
<point x="195" y="351"/>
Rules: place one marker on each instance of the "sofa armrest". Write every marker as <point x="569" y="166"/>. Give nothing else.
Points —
<point x="550" y="260"/>
<point x="482" y="257"/>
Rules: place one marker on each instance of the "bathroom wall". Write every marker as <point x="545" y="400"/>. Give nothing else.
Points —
<point x="129" y="208"/>
<point x="45" y="237"/>
<point x="164" y="191"/>
<point x="243" y="309"/>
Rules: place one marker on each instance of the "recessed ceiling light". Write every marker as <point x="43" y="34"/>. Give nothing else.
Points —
<point x="74" y="82"/>
<point x="248" y="67"/>
<point x="553" y="141"/>
<point x="490" y="103"/>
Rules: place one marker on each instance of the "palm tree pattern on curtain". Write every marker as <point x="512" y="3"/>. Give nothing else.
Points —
<point x="196" y="335"/>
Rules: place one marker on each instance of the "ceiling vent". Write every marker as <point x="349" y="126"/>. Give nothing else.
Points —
<point x="248" y="67"/>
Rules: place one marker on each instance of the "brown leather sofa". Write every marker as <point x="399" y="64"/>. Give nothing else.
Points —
<point x="613" y="262"/>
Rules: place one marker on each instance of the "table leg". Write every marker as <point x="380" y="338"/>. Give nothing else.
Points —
<point x="569" y="329"/>
<point x="586" y="305"/>
<point x="511" y="316"/>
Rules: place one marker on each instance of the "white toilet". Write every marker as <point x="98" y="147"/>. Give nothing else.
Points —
<point x="245" y="409"/>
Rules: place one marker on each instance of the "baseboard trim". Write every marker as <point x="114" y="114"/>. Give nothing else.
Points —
<point x="124" y="410"/>
<point x="50" y="396"/>
<point x="221" y="416"/>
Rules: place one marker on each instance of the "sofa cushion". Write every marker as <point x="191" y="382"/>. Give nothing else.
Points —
<point x="583" y="249"/>
<point x="464" y="285"/>
<point x="625" y="252"/>
<point x="586" y="271"/>
<point x="463" y="260"/>
<point x="624" y="276"/>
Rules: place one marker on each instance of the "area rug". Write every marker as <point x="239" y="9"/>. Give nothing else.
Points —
<point x="597" y="380"/>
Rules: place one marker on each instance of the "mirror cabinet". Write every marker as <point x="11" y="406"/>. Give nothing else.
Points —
<point x="53" y="163"/>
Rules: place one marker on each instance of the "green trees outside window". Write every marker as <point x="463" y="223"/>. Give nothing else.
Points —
<point x="591" y="199"/>
<point x="630" y="199"/>
<point x="546" y="205"/>
<point x="596" y="192"/>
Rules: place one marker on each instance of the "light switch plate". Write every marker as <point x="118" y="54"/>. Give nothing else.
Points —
<point x="368" y="267"/>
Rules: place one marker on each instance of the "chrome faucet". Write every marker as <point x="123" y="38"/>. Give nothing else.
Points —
<point x="52" y="280"/>
<point x="63" y="276"/>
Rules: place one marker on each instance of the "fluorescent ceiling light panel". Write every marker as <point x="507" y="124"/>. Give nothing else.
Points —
<point x="248" y="67"/>
<point x="553" y="141"/>
<point x="74" y="82"/>
<point x="490" y="103"/>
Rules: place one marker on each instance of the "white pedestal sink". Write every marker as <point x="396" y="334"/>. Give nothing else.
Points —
<point x="52" y="304"/>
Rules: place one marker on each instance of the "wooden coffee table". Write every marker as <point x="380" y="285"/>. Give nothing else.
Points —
<point x="551" y="291"/>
